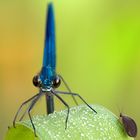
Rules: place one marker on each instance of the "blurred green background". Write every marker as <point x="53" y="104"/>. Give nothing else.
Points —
<point x="98" y="53"/>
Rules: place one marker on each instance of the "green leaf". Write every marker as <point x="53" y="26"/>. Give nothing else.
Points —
<point x="83" y="124"/>
<point x="21" y="132"/>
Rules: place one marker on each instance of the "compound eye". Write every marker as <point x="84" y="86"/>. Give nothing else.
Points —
<point x="36" y="81"/>
<point x="56" y="82"/>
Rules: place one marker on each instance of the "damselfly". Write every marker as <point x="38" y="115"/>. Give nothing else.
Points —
<point x="47" y="80"/>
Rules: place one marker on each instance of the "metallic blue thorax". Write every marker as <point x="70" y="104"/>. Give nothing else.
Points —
<point x="48" y="73"/>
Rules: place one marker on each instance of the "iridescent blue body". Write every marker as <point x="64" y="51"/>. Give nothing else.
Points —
<point x="48" y="80"/>
<point x="48" y="72"/>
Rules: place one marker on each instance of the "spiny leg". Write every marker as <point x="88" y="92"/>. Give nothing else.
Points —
<point x="66" y="85"/>
<point x="53" y="92"/>
<point x="24" y="103"/>
<point x="29" y="111"/>
<point x="24" y="113"/>
<point x="75" y="94"/>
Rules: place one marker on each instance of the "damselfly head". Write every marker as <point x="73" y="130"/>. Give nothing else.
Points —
<point x="56" y="82"/>
<point x="129" y="125"/>
<point x="37" y="81"/>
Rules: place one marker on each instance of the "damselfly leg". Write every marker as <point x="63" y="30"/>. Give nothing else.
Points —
<point x="33" y="101"/>
<point x="55" y="94"/>
<point x="75" y="94"/>
<point x="67" y="87"/>
<point x="24" y="103"/>
<point x="29" y="112"/>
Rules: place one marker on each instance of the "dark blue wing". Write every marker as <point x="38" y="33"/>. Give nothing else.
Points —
<point x="49" y="58"/>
